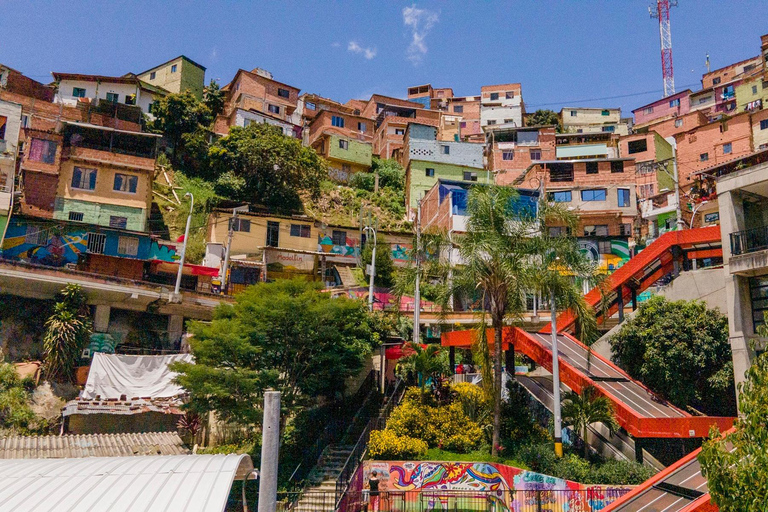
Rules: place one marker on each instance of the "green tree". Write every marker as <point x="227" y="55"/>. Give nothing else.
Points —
<point x="425" y="362"/>
<point x="385" y="268"/>
<point x="287" y="335"/>
<point x="177" y="114"/>
<point x="15" y="414"/>
<point x="582" y="410"/>
<point x="681" y="351"/>
<point x="272" y="169"/>
<point x="67" y="333"/>
<point x="736" y="465"/>
<point x="544" y="117"/>
<point x="213" y="98"/>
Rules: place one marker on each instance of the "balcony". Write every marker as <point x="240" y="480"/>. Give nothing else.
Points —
<point x="750" y="240"/>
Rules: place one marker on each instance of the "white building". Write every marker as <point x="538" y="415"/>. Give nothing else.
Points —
<point x="501" y="104"/>
<point x="126" y="90"/>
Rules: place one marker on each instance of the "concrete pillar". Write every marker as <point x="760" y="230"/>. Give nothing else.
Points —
<point x="175" y="328"/>
<point x="638" y="449"/>
<point x="620" y="302"/>
<point x="101" y="318"/>
<point x="740" y="324"/>
<point x="452" y="359"/>
<point x="634" y="299"/>
<point x="270" y="444"/>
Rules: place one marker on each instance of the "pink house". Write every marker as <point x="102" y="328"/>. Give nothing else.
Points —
<point x="675" y="105"/>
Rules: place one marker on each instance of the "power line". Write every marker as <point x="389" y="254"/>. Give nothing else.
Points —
<point x="655" y="91"/>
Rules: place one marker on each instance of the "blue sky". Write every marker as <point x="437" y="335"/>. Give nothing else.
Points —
<point x="561" y="51"/>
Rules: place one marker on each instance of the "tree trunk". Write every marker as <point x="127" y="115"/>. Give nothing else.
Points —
<point x="584" y="441"/>
<point x="497" y="325"/>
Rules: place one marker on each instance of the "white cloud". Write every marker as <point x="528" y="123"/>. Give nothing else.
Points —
<point x="420" y="22"/>
<point x="355" y="47"/>
<point x="214" y="54"/>
<point x="336" y="44"/>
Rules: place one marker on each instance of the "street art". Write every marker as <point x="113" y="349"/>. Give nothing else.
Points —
<point x="606" y="262"/>
<point x="478" y="485"/>
<point x="350" y="249"/>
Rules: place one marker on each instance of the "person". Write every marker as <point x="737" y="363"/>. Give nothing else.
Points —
<point x="373" y="486"/>
<point x="459" y="369"/>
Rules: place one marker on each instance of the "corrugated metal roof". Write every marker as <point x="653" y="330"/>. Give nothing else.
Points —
<point x="188" y="483"/>
<point x="91" y="445"/>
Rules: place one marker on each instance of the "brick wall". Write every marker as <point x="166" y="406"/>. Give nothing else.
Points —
<point x="323" y="123"/>
<point x="39" y="192"/>
<point x="24" y="86"/>
<point x="508" y="170"/>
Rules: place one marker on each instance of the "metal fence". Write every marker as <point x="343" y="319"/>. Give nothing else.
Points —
<point x="751" y="240"/>
<point x="591" y="499"/>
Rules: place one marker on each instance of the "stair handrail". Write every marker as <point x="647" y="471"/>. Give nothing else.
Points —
<point x="361" y="446"/>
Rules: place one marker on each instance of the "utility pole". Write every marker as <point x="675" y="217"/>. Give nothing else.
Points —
<point x="556" y="378"/>
<point x="372" y="267"/>
<point x="176" y="296"/>
<point x="417" y="291"/>
<point x="232" y="225"/>
<point x="270" y="448"/>
<point x="678" y="209"/>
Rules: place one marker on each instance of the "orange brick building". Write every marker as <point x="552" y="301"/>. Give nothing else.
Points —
<point x="513" y="150"/>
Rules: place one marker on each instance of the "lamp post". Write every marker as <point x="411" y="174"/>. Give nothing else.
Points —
<point x="556" y="378"/>
<point x="184" y="246"/>
<point x="695" y="209"/>
<point x="373" y="268"/>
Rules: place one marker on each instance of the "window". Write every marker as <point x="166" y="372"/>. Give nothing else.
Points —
<point x="494" y="96"/>
<point x="509" y="95"/>
<point x="130" y="99"/>
<point x="508" y="155"/>
<point x="339" y="237"/>
<point x="300" y="230"/>
<point x="343" y="144"/>
<point x="128" y="245"/>
<point x="399" y="131"/>
<point x="463" y="124"/>
<point x="556" y="231"/>
<point x="535" y="154"/>
<point x="113" y="97"/>
<point x="273" y="233"/>
<point x="78" y="92"/>
<point x="715" y="81"/>
<point x="764" y="124"/>
<point x="625" y="229"/>
<point x="617" y="166"/>
<point x="507" y="121"/>
<point x="84" y="179"/>
<point x="41" y="150"/>
<point x="648" y="110"/>
<point x="754" y="89"/>
<point x="173" y="68"/>
<point x="470" y="176"/>
<point x="604" y="246"/>
<point x="703" y="157"/>
<point x="674" y="103"/>
<point x="646" y="190"/>
<point x="561" y="197"/>
<point x="573" y="113"/>
<point x="609" y="129"/>
<point x="337" y="121"/>
<point x="445" y="150"/>
<point x="591" y="168"/>
<point x="727" y="148"/>
<point x="125" y="183"/>
<point x="704" y="100"/>
<point x="96" y="242"/>
<point x="24" y="121"/>
<point x="283" y="93"/>
<point x="723" y="127"/>
<point x="76" y="216"/>
<point x="637" y="146"/>
<point x="678" y="123"/>
<point x="242" y="225"/>
<point x="118" y="222"/>
<point x="458" y="109"/>
<point x="593" y="194"/>
<point x="152" y="75"/>
<point x="560" y="172"/>
<point x="758" y="290"/>
<point x="598" y="230"/>
<point x="310" y="105"/>
<point x="605" y="113"/>
<point x="430" y="172"/>
<point x="491" y="121"/>
<point x="623" y="197"/>
<point x="274" y="109"/>
<point x="35" y="235"/>
<point x="361" y="127"/>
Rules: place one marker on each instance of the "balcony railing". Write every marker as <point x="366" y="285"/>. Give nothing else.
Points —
<point x="750" y="240"/>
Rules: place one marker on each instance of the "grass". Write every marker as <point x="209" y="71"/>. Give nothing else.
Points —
<point x="438" y="455"/>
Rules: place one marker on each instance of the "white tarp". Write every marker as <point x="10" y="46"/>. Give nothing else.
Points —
<point x="113" y="375"/>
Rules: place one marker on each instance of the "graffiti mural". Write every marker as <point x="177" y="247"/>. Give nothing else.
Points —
<point x="350" y="248"/>
<point x="505" y="488"/>
<point x="606" y="261"/>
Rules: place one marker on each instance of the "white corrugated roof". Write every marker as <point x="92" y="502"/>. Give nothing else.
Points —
<point x="187" y="483"/>
<point x="91" y="445"/>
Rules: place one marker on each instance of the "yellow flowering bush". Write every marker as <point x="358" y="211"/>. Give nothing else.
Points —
<point x="387" y="445"/>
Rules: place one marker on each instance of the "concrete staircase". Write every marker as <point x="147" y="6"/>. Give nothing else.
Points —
<point x="320" y="494"/>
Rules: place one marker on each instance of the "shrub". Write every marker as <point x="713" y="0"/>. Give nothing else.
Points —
<point x="473" y="401"/>
<point x="386" y="445"/>
<point x="539" y="457"/>
<point x="617" y="472"/>
<point x="572" y="467"/>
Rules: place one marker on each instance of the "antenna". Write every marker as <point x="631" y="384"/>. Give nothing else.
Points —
<point x="707" y="62"/>
<point x="665" y="36"/>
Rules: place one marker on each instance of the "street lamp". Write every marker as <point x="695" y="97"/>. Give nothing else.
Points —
<point x="695" y="209"/>
<point x="184" y="247"/>
<point x="372" y="269"/>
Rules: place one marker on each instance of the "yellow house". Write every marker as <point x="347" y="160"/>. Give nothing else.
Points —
<point x="177" y="75"/>
<point x="751" y="95"/>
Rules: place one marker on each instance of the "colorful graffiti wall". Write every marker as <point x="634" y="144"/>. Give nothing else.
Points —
<point x="511" y="489"/>
<point x="350" y="250"/>
<point x="56" y="244"/>
<point x="607" y="262"/>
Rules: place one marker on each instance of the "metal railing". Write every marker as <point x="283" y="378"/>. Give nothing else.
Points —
<point x="538" y="497"/>
<point x="361" y="446"/>
<point x="750" y="240"/>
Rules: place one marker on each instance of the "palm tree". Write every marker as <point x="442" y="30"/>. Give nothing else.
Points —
<point x="582" y="410"/>
<point x="67" y="332"/>
<point x="424" y="361"/>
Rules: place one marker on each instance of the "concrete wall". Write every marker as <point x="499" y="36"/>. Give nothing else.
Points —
<point x="464" y="154"/>
<point x="248" y="243"/>
<point x="100" y="213"/>
<point x="759" y="135"/>
<point x="750" y="91"/>
<point x="357" y="152"/>
<point x="98" y="90"/>
<point x="245" y="117"/>
<point x="186" y="77"/>
<point x="706" y="284"/>
<point x="418" y="183"/>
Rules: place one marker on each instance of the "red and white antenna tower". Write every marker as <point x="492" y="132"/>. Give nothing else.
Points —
<point x="665" y="35"/>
